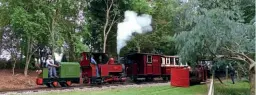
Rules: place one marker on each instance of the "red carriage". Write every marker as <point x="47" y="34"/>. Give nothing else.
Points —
<point x="143" y="66"/>
<point x="169" y="62"/>
<point x="146" y="66"/>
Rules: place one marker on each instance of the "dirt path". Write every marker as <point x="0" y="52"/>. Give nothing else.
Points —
<point x="17" y="81"/>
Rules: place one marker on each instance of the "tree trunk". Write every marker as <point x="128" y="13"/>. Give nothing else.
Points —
<point x="13" y="67"/>
<point x="104" y="45"/>
<point x="252" y="82"/>
<point x="28" y="56"/>
<point x="27" y="64"/>
<point x="26" y="67"/>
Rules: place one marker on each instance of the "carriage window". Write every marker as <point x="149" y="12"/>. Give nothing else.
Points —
<point x="177" y="61"/>
<point x="167" y="60"/>
<point x="172" y="61"/>
<point x="149" y="59"/>
<point x="163" y="60"/>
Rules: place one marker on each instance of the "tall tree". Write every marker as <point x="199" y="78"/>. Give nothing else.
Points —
<point x="45" y="23"/>
<point x="219" y="32"/>
<point x="103" y="16"/>
<point x="11" y="43"/>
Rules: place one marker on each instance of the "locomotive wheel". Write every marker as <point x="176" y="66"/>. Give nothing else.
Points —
<point x="149" y="79"/>
<point x="110" y="82"/>
<point x="54" y="84"/>
<point x="86" y="80"/>
<point x="164" y="78"/>
<point x="63" y="84"/>
<point x="68" y="83"/>
<point x="134" y="79"/>
<point x="49" y="85"/>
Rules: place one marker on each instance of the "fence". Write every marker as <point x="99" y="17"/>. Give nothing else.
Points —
<point x="211" y="90"/>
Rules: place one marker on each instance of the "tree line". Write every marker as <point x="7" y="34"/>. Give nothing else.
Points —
<point x="198" y="29"/>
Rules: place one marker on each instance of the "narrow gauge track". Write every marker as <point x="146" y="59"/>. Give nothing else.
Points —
<point x="80" y="86"/>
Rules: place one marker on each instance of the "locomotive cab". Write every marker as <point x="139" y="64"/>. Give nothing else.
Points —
<point x="105" y="67"/>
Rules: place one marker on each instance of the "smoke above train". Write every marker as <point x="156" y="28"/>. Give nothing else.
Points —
<point x="132" y="23"/>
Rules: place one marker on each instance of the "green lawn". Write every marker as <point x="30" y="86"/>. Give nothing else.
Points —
<point x="156" y="90"/>
<point x="239" y="88"/>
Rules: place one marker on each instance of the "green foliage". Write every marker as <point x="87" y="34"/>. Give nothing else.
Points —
<point x="80" y="46"/>
<point x="239" y="88"/>
<point x="215" y="32"/>
<point x="48" y="23"/>
<point x="141" y="6"/>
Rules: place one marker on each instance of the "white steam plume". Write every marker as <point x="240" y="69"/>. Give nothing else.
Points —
<point x="132" y="23"/>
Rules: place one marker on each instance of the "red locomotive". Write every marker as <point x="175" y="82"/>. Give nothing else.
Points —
<point x="108" y="70"/>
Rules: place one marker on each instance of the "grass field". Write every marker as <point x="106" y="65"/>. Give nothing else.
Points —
<point x="239" y="88"/>
<point x="156" y="90"/>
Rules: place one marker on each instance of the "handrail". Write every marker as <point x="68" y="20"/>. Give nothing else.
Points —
<point x="211" y="90"/>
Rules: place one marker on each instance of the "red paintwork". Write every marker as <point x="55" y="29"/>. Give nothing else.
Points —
<point x="111" y="61"/>
<point x="153" y="68"/>
<point x="93" y="70"/>
<point x="148" y="69"/>
<point x="142" y="67"/>
<point x="115" y="68"/>
<point x="87" y="72"/>
<point x="108" y="79"/>
<point x="156" y="66"/>
<point x="104" y="69"/>
<point x="124" y="79"/>
<point x="39" y="81"/>
<point x="201" y="73"/>
<point x="108" y="70"/>
<point x="55" y="83"/>
<point x="69" y="83"/>
<point x="180" y="77"/>
<point x="85" y="61"/>
<point x="131" y="69"/>
<point x="166" y="70"/>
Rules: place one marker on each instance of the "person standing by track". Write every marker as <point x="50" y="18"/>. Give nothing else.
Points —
<point x="232" y="74"/>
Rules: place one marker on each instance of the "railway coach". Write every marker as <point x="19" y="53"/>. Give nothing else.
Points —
<point x="147" y="66"/>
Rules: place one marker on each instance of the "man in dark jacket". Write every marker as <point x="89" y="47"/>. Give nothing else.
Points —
<point x="232" y="74"/>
